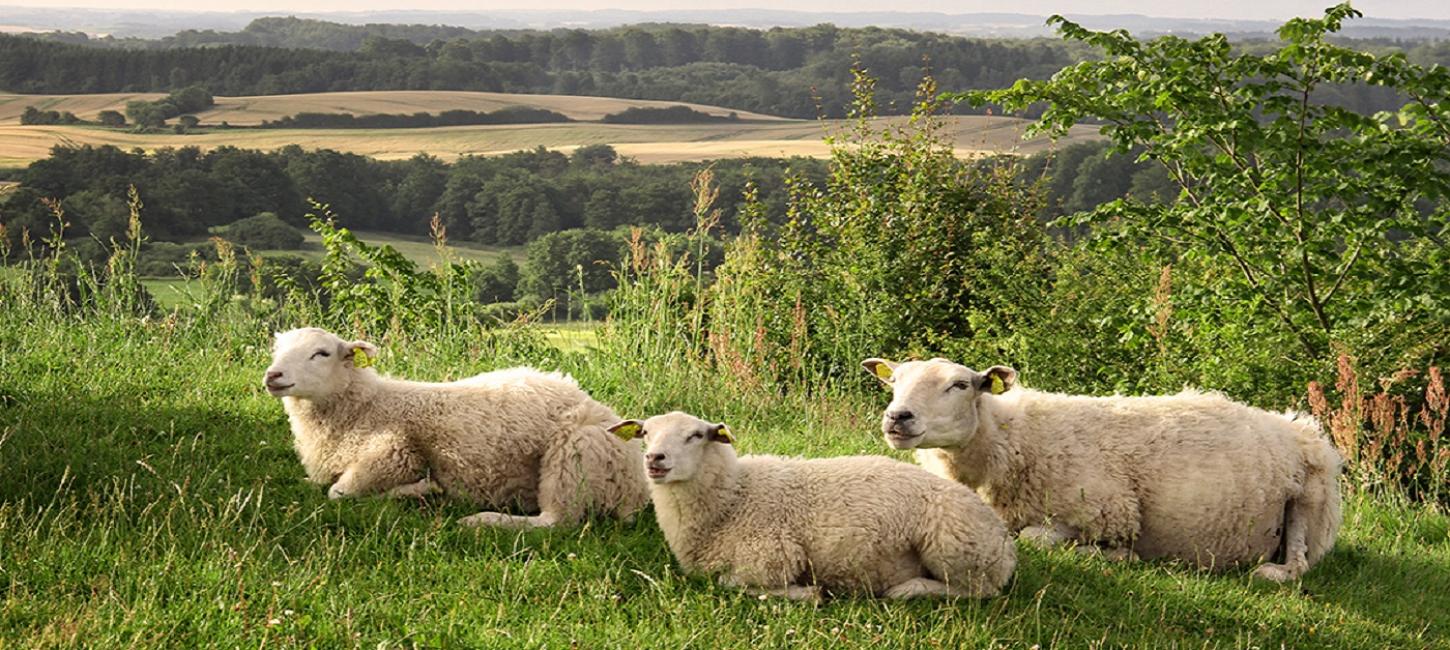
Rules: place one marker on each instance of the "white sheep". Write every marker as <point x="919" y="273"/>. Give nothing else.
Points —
<point x="791" y="527"/>
<point x="515" y="437"/>
<point x="1193" y="476"/>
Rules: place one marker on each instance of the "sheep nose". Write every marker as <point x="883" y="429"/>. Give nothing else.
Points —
<point x="900" y="416"/>
<point x="274" y="374"/>
<point x="654" y="458"/>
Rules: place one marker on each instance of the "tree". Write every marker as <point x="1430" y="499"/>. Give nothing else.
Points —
<point x="111" y="118"/>
<point x="103" y="216"/>
<point x="264" y="231"/>
<point x="557" y="262"/>
<point x="604" y="210"/>
<point x="145" y="114"/>
<point x="1320" y="211"/>
<point x="497" y="282"/>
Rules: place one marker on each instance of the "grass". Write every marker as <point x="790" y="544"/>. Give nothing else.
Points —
<point x="151" y="497"/>
<point x="764" y="137"/>
<point x="571" y="337"/>
<point x="171" y="292"/>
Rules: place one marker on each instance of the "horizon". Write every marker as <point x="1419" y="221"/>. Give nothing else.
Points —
<point x="1266" y="10"/>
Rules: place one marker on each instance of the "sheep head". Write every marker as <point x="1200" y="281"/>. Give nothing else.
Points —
<point x="312" y="363"/>
<point x="934" y="403"/>
<point x="676" y="444"/>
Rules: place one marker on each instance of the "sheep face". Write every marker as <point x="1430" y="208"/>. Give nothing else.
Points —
<point x="312" y="363"/>
<point x="676" y="444"/>
<point x="934" y="403"/>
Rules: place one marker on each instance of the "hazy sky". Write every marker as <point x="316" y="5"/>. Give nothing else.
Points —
<point x="1241" y="9"/>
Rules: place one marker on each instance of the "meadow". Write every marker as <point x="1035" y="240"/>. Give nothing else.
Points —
<point x="152" y="498"/>
<point x="753" y="135"/>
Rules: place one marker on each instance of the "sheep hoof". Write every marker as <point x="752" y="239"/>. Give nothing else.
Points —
<point x="1275" y="572"/>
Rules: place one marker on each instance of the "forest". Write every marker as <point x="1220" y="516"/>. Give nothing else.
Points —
<point x="790" y="72"/>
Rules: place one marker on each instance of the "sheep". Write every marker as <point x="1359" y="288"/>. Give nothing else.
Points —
<point x="1193" y="476"/>
<point x="793" y="527"/>
<point x="517" y="437"/>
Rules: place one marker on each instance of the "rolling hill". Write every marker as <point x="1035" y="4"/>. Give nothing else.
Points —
<point x="753" y="135"/>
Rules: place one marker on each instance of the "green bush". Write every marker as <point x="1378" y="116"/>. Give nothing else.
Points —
<point x="265" y="231"/>
<point x="905" y="250"/>
<point x="1316" y="227"/>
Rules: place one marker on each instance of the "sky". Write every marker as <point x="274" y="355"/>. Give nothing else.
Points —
<point x="1227" y="9"/>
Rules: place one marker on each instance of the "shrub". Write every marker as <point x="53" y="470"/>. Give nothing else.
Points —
<point x="111" y="118"/>
<point x="1321" y="212"/>
<point x="667" y="115"/>
<point x="264" y="231"/>
<point x="905" y="250"/>
<point x="1393" y="437"/>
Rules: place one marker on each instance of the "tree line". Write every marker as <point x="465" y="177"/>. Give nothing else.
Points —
<point x="504" y="200"/>
<point x="793" y="72"/>
<point x="420" y="120"/>
<point x="789" y="72"/>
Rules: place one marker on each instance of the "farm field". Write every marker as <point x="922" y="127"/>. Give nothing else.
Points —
<point x="753" y="136"/>
<point x="252" y="110"/>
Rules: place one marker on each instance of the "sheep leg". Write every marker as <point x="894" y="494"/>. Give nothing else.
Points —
<point x="504" y="520"/>
<point x="792" y="592"/>
<point x="1295" y="550"/>
<point x="1048" y="536"/>
<point x="421" y="488"/>
<point x="925" y="588"/>
<point x="386" y="464"/>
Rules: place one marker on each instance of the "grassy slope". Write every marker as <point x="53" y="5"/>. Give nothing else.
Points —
<point x="151" y="497"/>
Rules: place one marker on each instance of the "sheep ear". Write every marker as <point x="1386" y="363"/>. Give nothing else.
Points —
<point x="997" y="380"/>
<point x="721" y="433"/>
<point x="881" y="369"/>
<point x="628" y="429"/>
<point x="361" y="353"/>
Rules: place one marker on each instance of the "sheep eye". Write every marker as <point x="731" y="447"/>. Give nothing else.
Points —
<point x="320" y="353"/>
<point x="961" y="385"/>
<point x="695" y="436"/>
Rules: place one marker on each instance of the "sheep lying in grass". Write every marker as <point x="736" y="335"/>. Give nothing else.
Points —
<point x="1192" y="476"/>
<point x="516" y="437"/>
<point x="791" y="527"/>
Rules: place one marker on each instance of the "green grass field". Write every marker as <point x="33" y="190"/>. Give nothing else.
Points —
<point x="151" y="498"/>
<point x="171" y="292"/>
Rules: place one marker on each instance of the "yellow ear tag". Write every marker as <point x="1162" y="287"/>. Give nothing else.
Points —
<point x="997" y="386"/>
<point x="724" y="432"/>
<point x="882" y="371"/>
<point x="628" y="431"/>
<point x="360" y="358"/>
